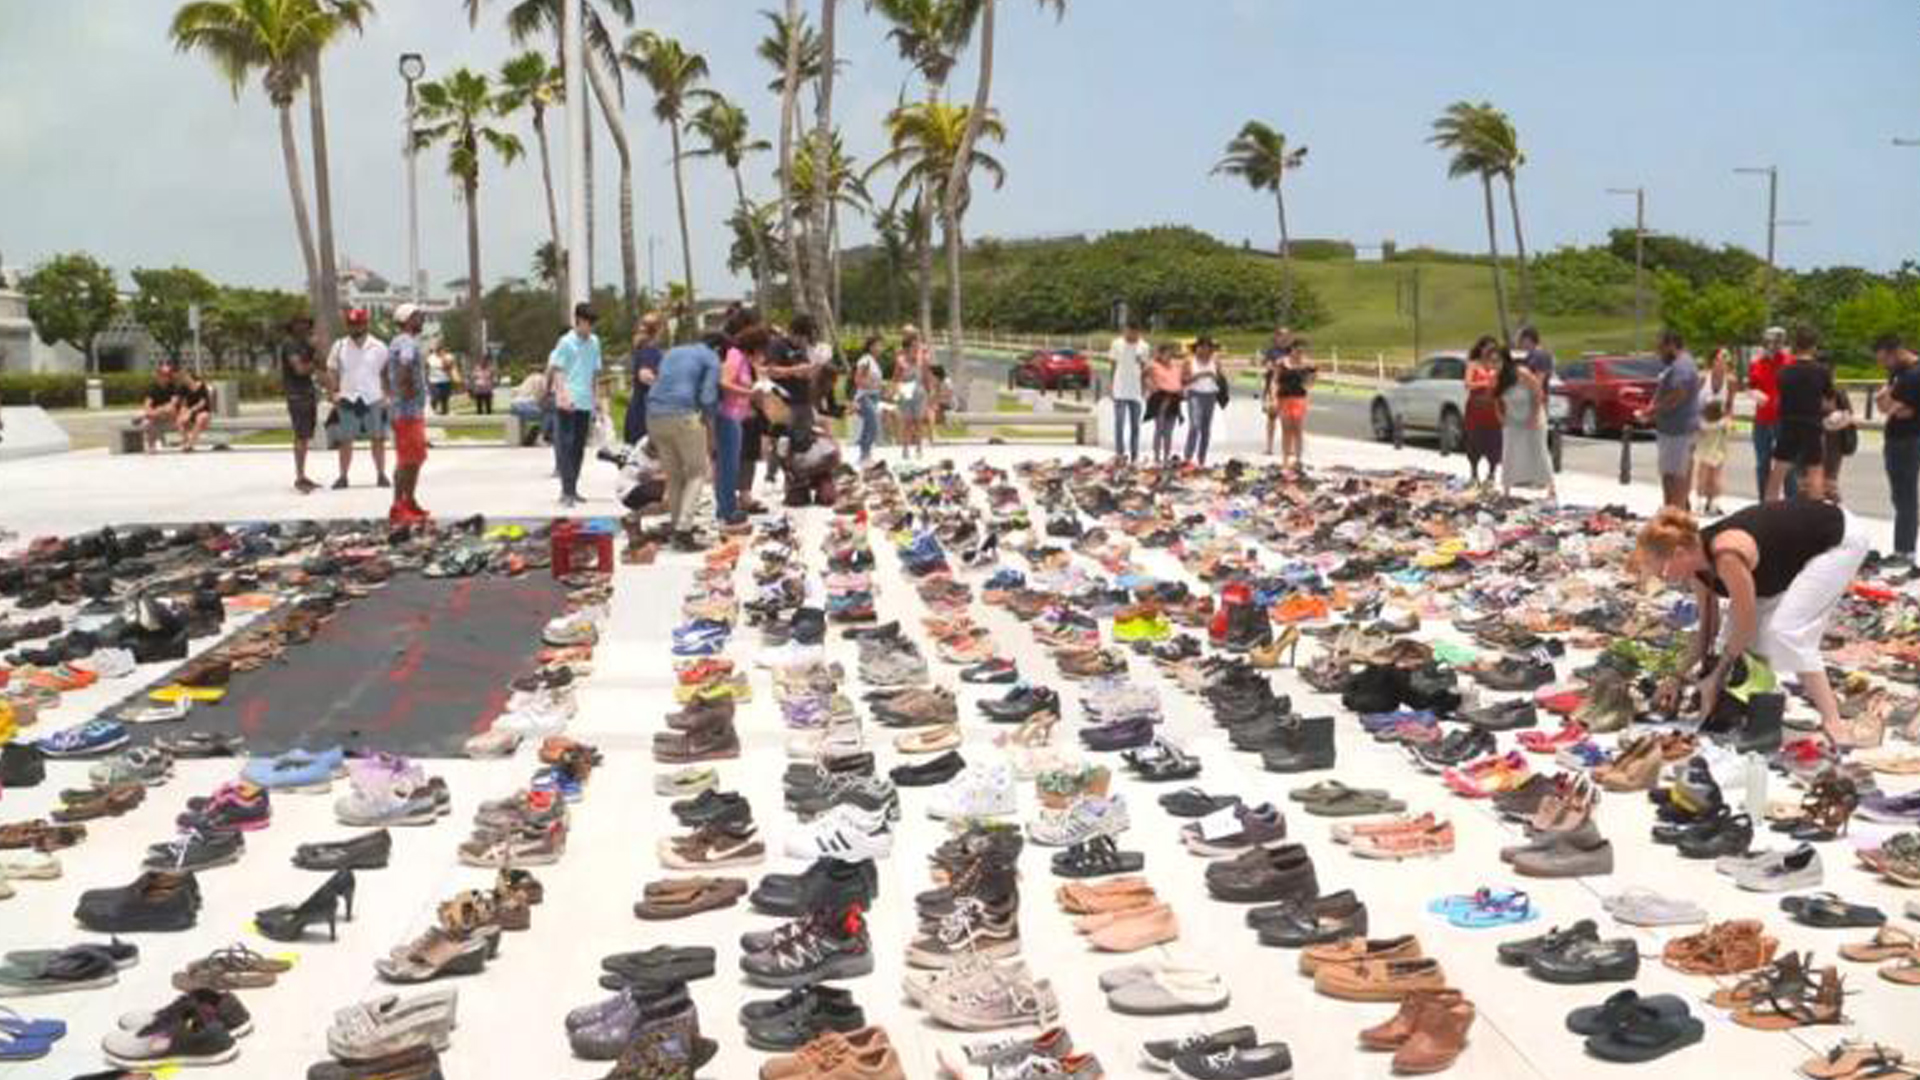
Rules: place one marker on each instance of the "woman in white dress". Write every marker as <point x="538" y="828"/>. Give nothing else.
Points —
<point x="1522" y="397"/>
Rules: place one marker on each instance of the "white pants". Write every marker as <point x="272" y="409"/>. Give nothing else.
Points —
<point x="1790" y="625"/>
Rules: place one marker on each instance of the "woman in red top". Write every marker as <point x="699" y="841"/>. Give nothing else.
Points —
<point x="1484" y="440"/>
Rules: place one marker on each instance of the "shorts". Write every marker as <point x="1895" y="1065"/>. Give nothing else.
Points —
<point x="1675" y="452"/>
<point x="360" y="420"/>
<point x="409" y="441"/>
<point x="1800" y="444"/>
<point x="303" y="412"/>
<point x="1291" y="409"/>
<point x="1790" y="626"/>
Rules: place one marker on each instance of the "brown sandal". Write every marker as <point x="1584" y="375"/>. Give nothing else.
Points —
<point x="678" y="898"/>
<point x="1727" y="948"/>
<point x="1788" y="1004"/>
<point x="101" y="803"/>
<point x="1888" y="943"/>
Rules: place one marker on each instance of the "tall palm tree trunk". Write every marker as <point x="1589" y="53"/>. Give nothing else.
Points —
<point x="553" y="214"/>
<point x="923" y="242"/>
<point x="327" y="319"/>
<point x="680" y="197"/>
<point x="957" y="174"/>
<point x="762" y="266"/>
<point x="789" y="107"/>
<point x="1286" y="254"/>
<point x="1520" y="252"/>
<point x="610" y="109"/>
<point x="303" y="225"/>
<point x="476" y="325"/>
<point x="1493" y="249"/>
<point x="820" y="278"/>
<point x="833" y="263"/>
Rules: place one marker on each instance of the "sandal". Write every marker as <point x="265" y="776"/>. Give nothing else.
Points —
<point x="1646" y="1034"/>
<point x="1784" y="1004"/>
<point x="1848" y="1060"/>
<point x="77" y="968"/>
<point x="1493" y="909"/>
<point x="1828" y="912"/>
<point x="1726" y="948"/>
<point x="1888" y="943"/>
<point x="234" y="968"/>
<point x="1905" y="971"/>
<point x="1098" y="857"/>
<point x="688" y="896"/>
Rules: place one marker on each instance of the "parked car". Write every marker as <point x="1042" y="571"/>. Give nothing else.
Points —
<point x="1054" y="369"/>
<point x="1430" y="398"/>
<point x="1603" y="392"/>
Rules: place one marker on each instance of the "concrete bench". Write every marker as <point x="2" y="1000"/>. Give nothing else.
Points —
<point x="1082" y="423"/>
<point x="223" y="430"/>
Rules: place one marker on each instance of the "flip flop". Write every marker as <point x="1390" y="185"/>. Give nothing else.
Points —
<point x="19" y="1027"/>
<point x="1888" y="943"/>
<point x="1354" y="803"/>
<point x="1827" y="911"/>
<point x="1497" y="909"/>
<point x="1850" y="1059"/>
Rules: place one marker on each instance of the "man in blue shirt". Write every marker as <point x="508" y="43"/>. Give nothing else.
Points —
<point x="683" y="397"/>
<point x="573" y="369"/>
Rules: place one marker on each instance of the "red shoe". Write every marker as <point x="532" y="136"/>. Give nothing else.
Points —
<point x="419" y="511"/>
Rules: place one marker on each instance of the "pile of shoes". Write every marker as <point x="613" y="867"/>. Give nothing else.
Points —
<point x="970" y="936"/>
<point x="649" y="1018"/>
<point x="466" y="932"/>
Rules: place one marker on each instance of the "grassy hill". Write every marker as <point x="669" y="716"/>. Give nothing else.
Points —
<point x="1367" y="302"/>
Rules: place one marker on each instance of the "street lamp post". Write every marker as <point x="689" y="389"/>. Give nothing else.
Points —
<point x="412" y="68"/>
<point x="1772" y="173"/>
<point x="1639" y="262"/>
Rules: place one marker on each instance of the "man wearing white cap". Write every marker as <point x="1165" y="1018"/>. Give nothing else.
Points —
<point x="1763" y="383"/>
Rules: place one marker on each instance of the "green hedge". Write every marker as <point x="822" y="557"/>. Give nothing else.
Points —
<point x="59" y="391"/>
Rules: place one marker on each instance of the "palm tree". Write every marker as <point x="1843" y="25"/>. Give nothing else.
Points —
<point x="723" y="127"/>
<point x="823" y="251"/>
<point x="890" y="233"/>
<point x="780" y="35"/>
<point x="924" y="141"/>
<point x="845" y="188"/>
<point x="962" y="164"/>
<point x="345" y="15"/>
<point x="1463" y="132"/>
<point x="671" y="71"/>
<point x="929" y="35"/>
<point x="794" y="32"/>
<point x="530" y="19"/>
<point x="530" y="82"/>
<point x="1503" y="143"/>
<point x="754" y="242"/>
<point x="1260" y="156"/>
<point x="272" y="39"/>
<point x="458" y="110"/>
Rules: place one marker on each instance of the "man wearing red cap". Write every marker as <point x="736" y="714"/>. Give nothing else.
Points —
<point x="356" y="369"/>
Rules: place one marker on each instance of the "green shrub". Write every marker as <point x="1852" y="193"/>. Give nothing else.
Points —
<point x="1322" y="250"/>
<point x="123" y="388"/>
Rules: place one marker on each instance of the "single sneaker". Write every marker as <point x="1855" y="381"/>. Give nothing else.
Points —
<point x="828" y="946"/>
<point x="846" y="833"/>
<point x="81" y="740"/>
<point x="980" y="791"/>
<point x="1088" y="818"/>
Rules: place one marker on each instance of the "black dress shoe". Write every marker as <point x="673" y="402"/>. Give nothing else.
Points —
<point x="938" y="770"/>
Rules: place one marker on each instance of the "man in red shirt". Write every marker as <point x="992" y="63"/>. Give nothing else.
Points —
<point x="1763" y="381"/>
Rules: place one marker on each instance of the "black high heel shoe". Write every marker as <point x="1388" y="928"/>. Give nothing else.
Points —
<point x="289" y="922"/>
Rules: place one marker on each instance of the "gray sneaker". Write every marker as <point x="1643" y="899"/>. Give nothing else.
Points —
<point x="1782" y="871"/>
<point x="1568" y="855"/>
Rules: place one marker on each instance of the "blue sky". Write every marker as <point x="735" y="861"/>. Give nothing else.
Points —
<point x="112" y="143"/>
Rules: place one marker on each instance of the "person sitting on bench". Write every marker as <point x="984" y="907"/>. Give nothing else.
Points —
<point x="196" y="410"/>
<point x="161" y="407"/>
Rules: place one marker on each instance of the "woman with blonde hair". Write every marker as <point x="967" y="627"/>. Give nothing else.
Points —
<point x="1781" y="567"/>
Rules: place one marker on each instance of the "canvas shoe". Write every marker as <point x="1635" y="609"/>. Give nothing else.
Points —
<point x="998" y="999"/>
<point x="846" y="833"/>
<point x="980" y="791"/>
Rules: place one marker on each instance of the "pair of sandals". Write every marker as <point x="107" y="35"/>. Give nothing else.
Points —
<point x="31" y="972"/>
<point x="1485" y="908"/>
<point x="1897" y="948"/>
<point x="1331" y="798"/>
<point x="680" y="897"/>
<point x="1160" y="761"/>
<point x="1098" y="857"/>
<point x="1828" y="912"/>
<point x="24" y="1039"/>
<point x="1631" y="1029"/>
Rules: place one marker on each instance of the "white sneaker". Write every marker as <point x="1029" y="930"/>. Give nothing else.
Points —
<point x="538" y="719"/>
<point x="550" y="700"/>
<point x="110" y="663"/>
<point x="21" y="864"/>
<point x="573" y="629"/>
<point x="1086" y="819"/>
<point x="847" y="833"/>
<point x="985" y="791"/>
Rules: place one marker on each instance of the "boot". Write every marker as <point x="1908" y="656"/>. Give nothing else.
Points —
<point x="1762" y="733"/>
<point x="1439" y="1035"/>
<point x="1396" y="1032"/>
<point x="1311" y="747"/>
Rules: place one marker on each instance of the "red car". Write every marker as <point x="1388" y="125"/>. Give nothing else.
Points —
<point x="1054" y="369"/>
<point x="1603" y="392"/>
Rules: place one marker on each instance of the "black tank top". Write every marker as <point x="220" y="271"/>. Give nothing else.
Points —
<point x="1788" y="534"/>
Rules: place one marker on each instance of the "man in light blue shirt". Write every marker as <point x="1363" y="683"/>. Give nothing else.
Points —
<point x="572" y="370"/>
<point x="684" y="394"/>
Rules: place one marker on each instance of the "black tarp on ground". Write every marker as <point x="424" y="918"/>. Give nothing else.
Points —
<point x="412" y="668"/>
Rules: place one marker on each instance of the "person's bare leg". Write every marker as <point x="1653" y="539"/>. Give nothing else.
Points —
<point x="346" y="460"/>
<point x="1776" y="482"/>
<point x="1813" y="484"/>
<point x="1283" y="442"/>
<point x="380" y="461"/>
<point x="1820" y="695"/>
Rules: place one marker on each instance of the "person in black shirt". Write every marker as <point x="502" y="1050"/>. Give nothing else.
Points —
<point x="1899" y="402"/>
<point x="196" y="410"/>
<point x="161" y="409"/>
<point x="298" y="362"/>
<point x="1782" y="568"/>
<point x="1805" y="387"/>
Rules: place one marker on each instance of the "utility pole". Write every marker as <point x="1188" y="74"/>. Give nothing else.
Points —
<point x="412" y="68"/>
<point x="573" y="57"/>
<point x="1640" y="262"/>
<point x="1772" y="173"/>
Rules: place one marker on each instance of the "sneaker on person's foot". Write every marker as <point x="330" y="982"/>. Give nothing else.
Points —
<point x="383" y="482"/>
<point x="340" y="484"/>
